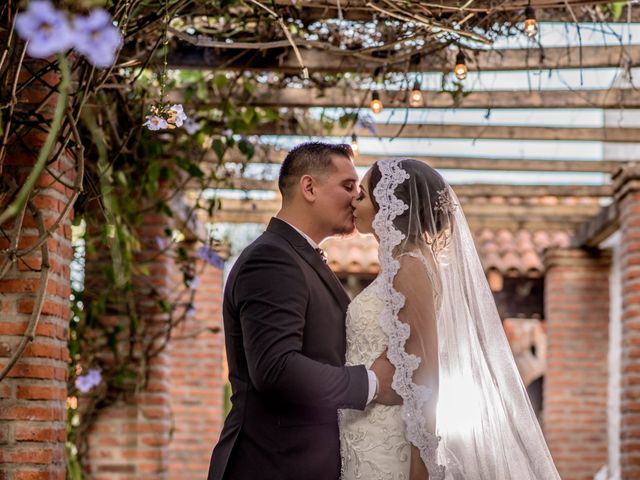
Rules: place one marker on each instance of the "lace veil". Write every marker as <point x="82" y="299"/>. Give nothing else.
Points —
<point x="465" y="407"/>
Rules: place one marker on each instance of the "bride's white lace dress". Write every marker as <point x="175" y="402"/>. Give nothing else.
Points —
<point x="372" y="442"/>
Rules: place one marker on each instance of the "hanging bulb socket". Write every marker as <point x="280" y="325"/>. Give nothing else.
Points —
<point x="354" y="143"/>
<point x="376" y="104"/>
<point x="461" y="66"/>
<point x="530" y="22"/>
<point x="415" y="96"/>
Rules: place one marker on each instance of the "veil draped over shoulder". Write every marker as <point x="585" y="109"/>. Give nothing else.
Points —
<point x="464" y="404"/>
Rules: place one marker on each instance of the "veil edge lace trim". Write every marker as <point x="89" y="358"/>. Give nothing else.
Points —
<point x="414" y="396"/>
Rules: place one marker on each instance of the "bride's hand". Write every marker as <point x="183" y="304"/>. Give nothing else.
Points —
<point x="384" y="370"/>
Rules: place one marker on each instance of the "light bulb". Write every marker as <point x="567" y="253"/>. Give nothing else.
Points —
<point x="530" y="22"/>
<point x="354" y="143"/>
<point x="415" y="97"/>
<point x="461" y="66"/>
<point x="376" y="104"/>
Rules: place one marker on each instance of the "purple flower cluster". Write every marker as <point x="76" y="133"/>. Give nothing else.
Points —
<point x="84" y="383"/>
<point x="48" y="31"/>
<point x="97" y="38"/>
<point x="210" y="256"/>
<point x="167" y="117"/>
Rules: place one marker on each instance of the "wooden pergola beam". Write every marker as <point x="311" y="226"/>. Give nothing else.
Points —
<point x="475" y="223"/>
<point x="186" y="55"/>
<point x="357" y="11"/>
<point x="347" y="98"/>
<point x="562" y="216"/>
<point x="453" y="163"/>
<point x="469" y="206"/>
<point x="465" y="190"/>
<point x="498" y="132"/>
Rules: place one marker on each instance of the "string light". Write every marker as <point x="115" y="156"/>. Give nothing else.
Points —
<point x="530" y="22"/>
<point x="376" y="104"/>
<point x="461" y="66"/>
<point x="354" y="143"/>
<point x="415" y="97"/>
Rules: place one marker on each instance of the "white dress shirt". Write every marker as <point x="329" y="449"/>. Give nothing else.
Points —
<point x="373" y="379"/>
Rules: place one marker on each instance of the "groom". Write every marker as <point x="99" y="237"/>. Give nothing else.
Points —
<point x="284" y="313"/>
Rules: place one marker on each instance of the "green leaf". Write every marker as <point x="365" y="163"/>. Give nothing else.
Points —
<point x="195" y="171"/>
<point x="202" y="92"/>
<point x="162" y="207"/>
<point x="164" y="304"/>
<point x="220" y="80"/>
<point x="121" y="178"/>
<point x="144" y="270"/>
<point x="218" y="147"/>
<point x="250" y="88"/>
<point x="616" y="9"/>
<point x="246" y="148"/>
<point x="248" y="115"/>
<point x="152" y="177"/>
<point x="271" y="115"/>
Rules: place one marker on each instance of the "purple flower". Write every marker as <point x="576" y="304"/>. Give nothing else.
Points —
<point x="160" y="243"/>
<point x="46" y="30"/>
<point x="97" y="38"/>
<point x="366" y="121"/>
<point x="176" y="115"/>
<point x="154" y="122"/>
<point x="210" y="256"/>
<point x="191" y="126"/>
<point x="84" y="383"/>
<point x="191" y="310"/>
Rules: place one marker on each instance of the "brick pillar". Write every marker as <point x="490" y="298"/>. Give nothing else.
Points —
<point x="576" y="382"/>
<point x="197" y="379"/>
<point x="33" y="396"/>
<point x="130" y="439"/>
<point x="627" y="194"/>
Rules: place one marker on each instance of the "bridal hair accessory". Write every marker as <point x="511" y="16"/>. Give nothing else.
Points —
<point x="444" y="203"/>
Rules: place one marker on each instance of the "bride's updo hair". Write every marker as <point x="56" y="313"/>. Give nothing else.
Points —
<point x="429" y="216"/>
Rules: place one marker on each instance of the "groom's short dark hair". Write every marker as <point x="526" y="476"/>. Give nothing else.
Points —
<point x="311" y="158"/>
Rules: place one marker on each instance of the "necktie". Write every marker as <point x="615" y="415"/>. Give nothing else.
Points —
<point x="321" y="253"/>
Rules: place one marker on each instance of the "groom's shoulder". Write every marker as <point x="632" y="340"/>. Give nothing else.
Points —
<point x="266" y="245"/>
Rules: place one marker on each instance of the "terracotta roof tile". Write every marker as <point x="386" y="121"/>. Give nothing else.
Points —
<point x="510" y="253"/>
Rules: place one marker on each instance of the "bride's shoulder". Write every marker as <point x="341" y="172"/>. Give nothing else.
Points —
<point x="416" y="269"/>
<point x="413" y="262"/>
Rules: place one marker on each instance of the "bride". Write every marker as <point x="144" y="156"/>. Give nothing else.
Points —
<point x="465" y="413"/>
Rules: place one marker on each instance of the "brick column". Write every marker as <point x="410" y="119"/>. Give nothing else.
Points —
<point x="575" y="396"/>
<point x="197" y="379"/>
<point x="130" y="439"/>
<point x="627" y="193"/>
<point x="33" y="396"/>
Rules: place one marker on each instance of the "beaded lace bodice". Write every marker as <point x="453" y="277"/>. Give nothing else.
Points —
<point x="373" y="444"/>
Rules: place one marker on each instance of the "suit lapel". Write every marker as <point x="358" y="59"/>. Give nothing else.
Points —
<point x="306" y="251"/>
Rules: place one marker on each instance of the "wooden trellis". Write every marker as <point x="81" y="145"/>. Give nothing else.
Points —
<point x="494" y="205"/>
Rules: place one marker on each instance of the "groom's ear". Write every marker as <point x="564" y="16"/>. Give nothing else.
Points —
<point x="308" y="188"/>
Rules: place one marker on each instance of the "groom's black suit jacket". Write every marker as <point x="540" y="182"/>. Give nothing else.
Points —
<point x="284" y="313"/>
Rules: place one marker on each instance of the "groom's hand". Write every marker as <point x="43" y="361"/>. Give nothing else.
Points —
<point x="384" y="370"/>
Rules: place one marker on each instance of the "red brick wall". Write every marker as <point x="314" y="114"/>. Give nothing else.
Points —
<point x="33" y="396"/>
<point x="575" y="397"/>
<point x="130" y="440"/>
<point x="630" y="361"/>
<point x="197" y="381"/>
